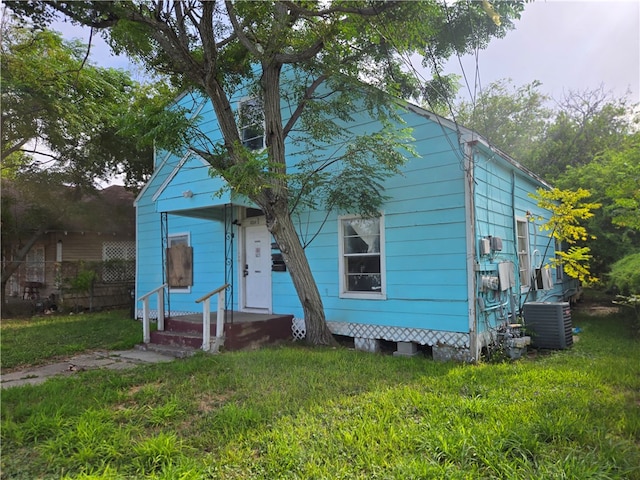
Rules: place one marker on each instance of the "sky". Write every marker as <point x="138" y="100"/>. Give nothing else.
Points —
<point x="566" y="45"/>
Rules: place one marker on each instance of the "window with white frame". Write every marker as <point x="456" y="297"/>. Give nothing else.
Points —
<point x="524" y="262"/>
<point x="179" y="263"/>
<point x="34" y="264"/>
<point x="251" y="113"/>
<point x="362" y="261"/>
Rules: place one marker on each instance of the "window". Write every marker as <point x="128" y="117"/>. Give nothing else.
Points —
<point x="34" y="264"/>
<point x="180" y="263"/>
<point x="252" y="123"/>
<point x="522" y="227"/>
<point x="362" y="272"/>
<point x="559" y="265"/>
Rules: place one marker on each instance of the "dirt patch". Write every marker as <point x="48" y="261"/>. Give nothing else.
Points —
<point x="209" y="402"/>
<point x="598" y="310"/>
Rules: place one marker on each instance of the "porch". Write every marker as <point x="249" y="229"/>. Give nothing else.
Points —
<point x="242" y="330"/>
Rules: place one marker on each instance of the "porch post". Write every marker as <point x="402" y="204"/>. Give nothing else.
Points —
<point x="220" y="315"/>
<point x="161" y="309"/>
<point x="146" y="336"/>
<point x="206" y="324"/>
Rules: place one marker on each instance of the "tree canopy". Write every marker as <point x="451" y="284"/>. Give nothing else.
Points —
<point x="513" y="118"/>
<point x="62" y="113"/>
<point x="586" y="124"/>
<point x="613" y="178"/>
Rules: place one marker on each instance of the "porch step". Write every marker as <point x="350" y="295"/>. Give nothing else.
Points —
<point x="187" y="324"/>
<point x="177" y="339"/>
<point x="246" y="331"/>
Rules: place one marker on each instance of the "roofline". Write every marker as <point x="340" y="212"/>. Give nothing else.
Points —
<point x="156" y="170"/>
<point x="467" y="135"/>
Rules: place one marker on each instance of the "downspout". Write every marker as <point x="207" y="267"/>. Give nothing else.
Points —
<point x="469" y="191"/>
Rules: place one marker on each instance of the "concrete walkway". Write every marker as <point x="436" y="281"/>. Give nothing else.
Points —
<point x="113" y="360"/>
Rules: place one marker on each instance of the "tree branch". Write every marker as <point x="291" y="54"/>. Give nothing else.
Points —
<point x="239" y="31"/>
<point x="367" y="12"/>
<point x="15" y="148"/>
<point x="301" y="105"/>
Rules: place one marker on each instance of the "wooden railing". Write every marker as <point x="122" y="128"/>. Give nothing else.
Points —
<point x="206" y="319"/>
<point x="146" y="332"/>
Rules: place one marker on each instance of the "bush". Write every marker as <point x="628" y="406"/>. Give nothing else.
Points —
<point x="624" y="277"/>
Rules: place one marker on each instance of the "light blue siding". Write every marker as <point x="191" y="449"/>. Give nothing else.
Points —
<point x="501" y="196"/>
<point x="426" y="229"/>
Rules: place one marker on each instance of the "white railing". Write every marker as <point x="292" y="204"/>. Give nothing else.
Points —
<point x="146" y="332"/>
<point x="206" y="319"/>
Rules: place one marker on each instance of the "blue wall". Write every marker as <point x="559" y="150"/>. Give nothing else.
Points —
<point x="501" y="195"/>
<point x="425" y="233"/>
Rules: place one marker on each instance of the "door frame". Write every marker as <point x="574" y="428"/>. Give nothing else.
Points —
<point x="242" y="256"/>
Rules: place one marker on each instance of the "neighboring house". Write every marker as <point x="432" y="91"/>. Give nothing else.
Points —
<point x="99" y="235"/>
<point x="451" y="258"/>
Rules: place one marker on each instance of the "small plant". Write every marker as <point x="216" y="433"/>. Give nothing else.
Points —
<point x="83" y="282"/>
<point x="568" y="209"/>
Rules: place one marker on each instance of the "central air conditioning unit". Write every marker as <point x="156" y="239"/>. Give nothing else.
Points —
<point x="549" y="324"/>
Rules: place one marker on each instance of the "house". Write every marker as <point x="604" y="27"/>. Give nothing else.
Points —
<point x="96" y="234"/>
<point x="450" y="261"/>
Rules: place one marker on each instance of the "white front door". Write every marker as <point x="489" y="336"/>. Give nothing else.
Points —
<point x="256" y="272"/>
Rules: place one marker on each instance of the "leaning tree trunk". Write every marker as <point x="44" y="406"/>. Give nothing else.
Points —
<point x="283" y="230"/>
<point x="275" y="203"/>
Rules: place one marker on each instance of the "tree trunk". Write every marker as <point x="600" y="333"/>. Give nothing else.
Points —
<point x="275" y="203"/>
<point x="283" y="230"/>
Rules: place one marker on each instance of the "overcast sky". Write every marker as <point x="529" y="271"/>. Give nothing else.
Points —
<point x="566" y="45"/>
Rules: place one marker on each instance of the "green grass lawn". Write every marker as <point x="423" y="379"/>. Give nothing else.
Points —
<point x="40" y="339"/>
<point x="298" y="413"/>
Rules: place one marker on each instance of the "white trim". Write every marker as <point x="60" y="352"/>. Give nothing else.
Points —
<point x="175" y="172"/>
<point x="246" y="99"/>
<point x="469" y="136"/>
<point x="469" y="183"/>
<point x="171" y="176"/>
<point x="156" y="170"/>
<point x="181" y="234"/>
<point x="343" y="292"/>
<point x="135" y="284"/>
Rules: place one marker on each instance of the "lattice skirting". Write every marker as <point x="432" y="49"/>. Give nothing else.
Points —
<point x="399" y="334"/>
<point x="153" y="313"/>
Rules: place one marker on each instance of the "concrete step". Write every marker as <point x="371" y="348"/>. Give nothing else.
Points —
<point x="171" y="350"/>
